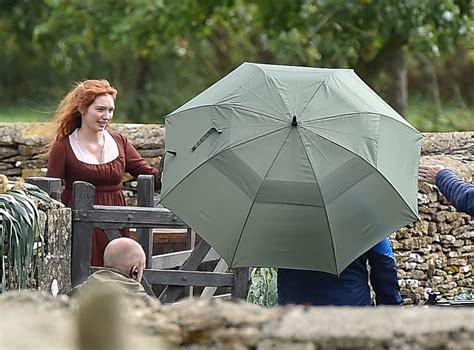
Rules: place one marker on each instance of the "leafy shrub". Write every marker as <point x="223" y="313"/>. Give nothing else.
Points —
<point x="21" y="242"/>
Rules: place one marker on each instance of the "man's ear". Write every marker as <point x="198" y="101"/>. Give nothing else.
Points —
<point x="134" y="273"/>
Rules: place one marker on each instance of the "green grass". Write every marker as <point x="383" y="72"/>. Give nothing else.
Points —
<point x="24" y="114"/>
<point x="420" y="113"/>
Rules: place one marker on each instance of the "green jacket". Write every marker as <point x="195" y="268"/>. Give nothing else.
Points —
<point x="113" y="279"/>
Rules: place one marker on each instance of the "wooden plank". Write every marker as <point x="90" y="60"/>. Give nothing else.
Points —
<point x="210" y="291"/>
<point x="176" y="259"/>
<point x="134" y="225"/>
<point x="145" y="189"/>
<point x="129" y="216"/>
<point x="196" y="257"/>
<point x="170" y="260"/>
<point x="187" y="278"/>
<point x="83" y="199"/>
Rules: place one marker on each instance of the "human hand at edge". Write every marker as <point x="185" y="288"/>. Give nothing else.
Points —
<point x="427" y="173"/>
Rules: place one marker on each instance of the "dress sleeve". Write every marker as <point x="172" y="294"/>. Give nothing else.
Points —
<point x="383" y="274"/>
<point x="57" y="161"/>
<point x="459" y="193"/>
<point x="136" y="165"/>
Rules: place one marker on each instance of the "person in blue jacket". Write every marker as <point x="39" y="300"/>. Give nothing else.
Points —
<point x="458" y="192"/>
<point x="350" y="288"/>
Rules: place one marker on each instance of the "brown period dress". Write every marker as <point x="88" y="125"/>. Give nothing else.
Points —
<point x="106" y="177"/>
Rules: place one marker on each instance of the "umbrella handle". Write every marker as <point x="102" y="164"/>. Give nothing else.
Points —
<point x="204" y="137"/>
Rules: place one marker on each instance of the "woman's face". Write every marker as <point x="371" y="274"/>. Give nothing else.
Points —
<point x="99" y="113"/>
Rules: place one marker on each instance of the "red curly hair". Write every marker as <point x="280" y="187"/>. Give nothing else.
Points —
<point x="68" y="116"/>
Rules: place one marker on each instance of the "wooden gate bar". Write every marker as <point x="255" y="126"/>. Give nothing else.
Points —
<point x="128" y="216"/>
<point x="189" y="278"/>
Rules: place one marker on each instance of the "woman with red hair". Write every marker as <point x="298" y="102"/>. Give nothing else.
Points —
<point x="83" y="150"/>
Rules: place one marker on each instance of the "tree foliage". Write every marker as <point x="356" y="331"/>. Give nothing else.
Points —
<point x="160" y="53"/>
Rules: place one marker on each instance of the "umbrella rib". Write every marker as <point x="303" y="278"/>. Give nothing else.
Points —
<point x="356" y="95"/>
<point x="334" y="116"/>
<point x="322" y="198"/>
<point x="189" y="109"/>
<point x="256" y="193"/>
<point x="269" y="78"/>
<point x="314" y="94"/>
<point x="364" y="102"/>
<point x="355" y="154"/>
<point x="215" y="155"/>
<point x="250" y="110"/>
<point x="261" y="99"/>
<point x="225" y="105"/>
<point x="208" y="104"/>
<point x="357" y="113"/>
<point x="347" y="133"/>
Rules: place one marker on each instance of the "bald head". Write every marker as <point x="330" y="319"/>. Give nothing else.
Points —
<point x="124" y="254"/>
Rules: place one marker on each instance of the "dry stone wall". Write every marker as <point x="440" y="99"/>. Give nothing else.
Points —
<point x="208" y="324"/>
<point x="435" y="254"/>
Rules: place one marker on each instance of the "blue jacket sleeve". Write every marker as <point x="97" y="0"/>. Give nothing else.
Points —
<point x="459" y="193"/>
<point x="383" y="274"/>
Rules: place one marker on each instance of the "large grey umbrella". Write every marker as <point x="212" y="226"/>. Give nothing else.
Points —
<point x="291" y="167"/>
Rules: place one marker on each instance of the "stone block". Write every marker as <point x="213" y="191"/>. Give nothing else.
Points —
<point x="440" y="216"/>
<point x="448" y="239"/>
<point x="456" y="262"/>
<point x="27" y="150"/>
<point x="8" y="151"/>
<point x="416" y="258"/>
<point x="431" y="228"/>
<point x="417" y="275"/>
<point x="466" y="249"/>
<point x="444" y="228"/>
<point x="452" y="216"/>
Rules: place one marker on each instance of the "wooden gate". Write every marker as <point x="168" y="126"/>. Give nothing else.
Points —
<point x="145" y="217"/>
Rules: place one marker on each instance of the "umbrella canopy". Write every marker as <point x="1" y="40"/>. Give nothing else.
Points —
<point x="292" y="167"/>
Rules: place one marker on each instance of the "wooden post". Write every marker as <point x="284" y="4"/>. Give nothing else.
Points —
<point x="145" y="189"/>
<point x="241" y="282"/>
<point x="82" y="199"/>
<point x="50" y="185"/>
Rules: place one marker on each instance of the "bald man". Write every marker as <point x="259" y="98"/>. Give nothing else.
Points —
<point x="124" y="262"/>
